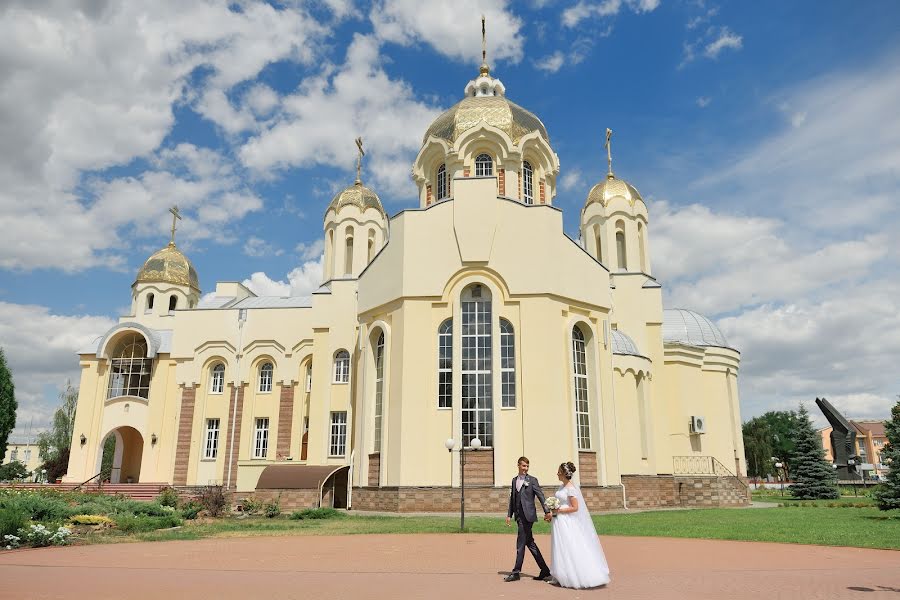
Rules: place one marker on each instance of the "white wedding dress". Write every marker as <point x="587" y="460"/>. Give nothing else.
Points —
<point x="578" y="559"/>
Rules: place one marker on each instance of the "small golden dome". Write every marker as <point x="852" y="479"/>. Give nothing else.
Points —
<point x="496" y="111"/>
<point x="169" y="265"/>
<point x="358" y="195"/>
<point x="611" y="187"/>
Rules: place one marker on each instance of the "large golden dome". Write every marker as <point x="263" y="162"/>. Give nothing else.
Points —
<point x="358" y="195"/>
<point x="169" y="265"/>
<point x="611" y="187"/>
<point x="496" y="111"/>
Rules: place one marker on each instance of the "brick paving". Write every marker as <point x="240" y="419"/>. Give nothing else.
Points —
<point x="440" y="567"/>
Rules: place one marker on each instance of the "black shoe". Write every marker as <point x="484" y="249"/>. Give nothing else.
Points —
<point x="512" y="577"/>
<point x="542" y="576"/>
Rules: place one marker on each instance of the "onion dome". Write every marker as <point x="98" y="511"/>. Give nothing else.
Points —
<point x="611" y="187"/>
<point x="622" y="344"/>
<point x="169" y="265"/>
<point x="357" y="195"/>
<point x="682" y="326"/>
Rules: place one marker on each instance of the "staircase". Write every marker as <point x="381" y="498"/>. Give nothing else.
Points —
<point x="135" y="491"/>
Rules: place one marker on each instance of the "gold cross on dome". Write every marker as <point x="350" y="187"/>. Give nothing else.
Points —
<point x="608" y="145"/>
<point x="359" y="156"/>
<point x="176" y="216"/>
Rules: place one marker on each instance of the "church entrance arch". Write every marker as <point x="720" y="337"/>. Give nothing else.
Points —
<point x="124" y="466"/>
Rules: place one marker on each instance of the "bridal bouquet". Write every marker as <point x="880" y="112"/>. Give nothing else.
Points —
<point x="552" y="503"/>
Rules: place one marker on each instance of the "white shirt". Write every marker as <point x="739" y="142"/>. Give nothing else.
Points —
<point x="519" y="481"/>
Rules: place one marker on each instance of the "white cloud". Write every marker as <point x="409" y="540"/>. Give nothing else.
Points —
<point x="551" y="63"/>
<point x="571" y="179"/>
<point x="451" y="28"/>
<point x="40" y="350"/>
<point x="311" y="250"/>
<point x="572" y="16"/>
<point x="712" y="42"/>
<point x="301" y="281"/>
<point x="258" y="248"/>
<point x="704" y="101"/>
<point x="317" y="124"/>
<point x="726" y="39"/>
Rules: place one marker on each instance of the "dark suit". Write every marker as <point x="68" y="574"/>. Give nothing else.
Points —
<point x="521" y="506"/>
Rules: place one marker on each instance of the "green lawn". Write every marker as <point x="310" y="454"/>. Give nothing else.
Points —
<point x="860" y="527"/>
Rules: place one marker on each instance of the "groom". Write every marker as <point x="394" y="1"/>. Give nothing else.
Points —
<point x="521" y="506"/>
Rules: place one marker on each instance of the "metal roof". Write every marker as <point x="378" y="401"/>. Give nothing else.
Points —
<point x="688" y="327"/>
<point x="622" y="344"/>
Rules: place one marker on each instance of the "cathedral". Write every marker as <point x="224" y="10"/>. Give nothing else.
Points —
<point x="444" y="342"/>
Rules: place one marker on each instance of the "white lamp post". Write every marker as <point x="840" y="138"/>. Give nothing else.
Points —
<point x="475" y="444"/>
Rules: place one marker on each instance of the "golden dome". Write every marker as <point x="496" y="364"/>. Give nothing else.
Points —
<point x="611" y="187"/>
<point x="358" y="195"/>
<point x="496" y="111"/>
<point x="169" y="265"/>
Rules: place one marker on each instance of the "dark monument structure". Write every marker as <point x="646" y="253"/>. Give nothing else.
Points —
<point x="843" y="441"/>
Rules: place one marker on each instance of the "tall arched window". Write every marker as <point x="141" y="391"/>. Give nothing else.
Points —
<point x="599" y="249"/>
<point x="445" y="364"/>
<point x="342" y="367"/>
<point x="641" y="247"/>
<point x="129" y="373"/>
<point x="442" y="182"/>
<point x="477" y="402"/>
<point x="348" y="253"/>
<point x="642" y="416"/>
<point x="371" y="248"/>
<point x="484" y="166"/>
<point x="379" y="389"/>
<point x="620" y="251"/>
<point x="149" y="302"/>
<point x="217" y="380"/>
<point x="507" y="364"/>
<point x="265" y="377"/>
<point x="330" y="251"/>
<point x="527" y="183"/>
<point x="173" y="302"/>
<point x="580" y="386"/>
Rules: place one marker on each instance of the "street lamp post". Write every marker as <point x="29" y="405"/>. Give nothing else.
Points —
<point x="475" y="445"/>
<point x="780" y="467"/>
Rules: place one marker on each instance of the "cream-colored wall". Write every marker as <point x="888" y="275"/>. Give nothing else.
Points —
<point x="34" y="460"/>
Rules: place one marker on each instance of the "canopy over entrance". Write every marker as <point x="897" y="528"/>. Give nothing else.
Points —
<point x="330" y="481"/>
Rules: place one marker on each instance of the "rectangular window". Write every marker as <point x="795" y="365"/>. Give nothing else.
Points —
<point x="445" y="365"/>
<point x="129" y="377"/>
<point x="582" y="418"/>
<point x="507" y="365"/>
<point x="261" y="445"/>
<point x="27" y="456"/>
<point x="338" y="445"/>
<point x="476" y="390"/>
<point x="218" y="380"/>
<point x="14" y="455"/>
<point x="212" y="439"/>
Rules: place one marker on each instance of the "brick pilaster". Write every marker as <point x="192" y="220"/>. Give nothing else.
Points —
<point x="542" y="192"/>
<point x="466" y="171"/>
<point x="374" y="469"/>
<point x="501" y="176"/>
<point x="428" y="194"/>
<point x="587" y="465"/>
<point x="480" y="467"/>
<point x="237" y="434"/>
<point x="183" y="443"/>
<point x="285" y="422"/>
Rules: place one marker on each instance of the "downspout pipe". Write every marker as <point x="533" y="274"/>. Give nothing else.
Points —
<point x="242" y="317"/>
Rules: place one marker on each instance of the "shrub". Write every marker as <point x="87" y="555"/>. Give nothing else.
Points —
<point x="168" y="497"/>
<point x="273" y="509"/>
<point x="11" y="521"/>
<point x="251" y="505"/>
<point x="316" y="513"/>
<point x="142" y="523"/>
<point x="39" y="535"/>
<point x="11" y="542"/>
<point x="213" y="501"/>
<point x="12" y="471"/>
<point x="38" y="507"/>
<point x="91" y="520"/>
<point x="190" y="510"/>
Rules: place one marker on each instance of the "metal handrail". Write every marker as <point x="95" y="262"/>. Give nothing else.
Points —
<point x="99" y="483"/>
<point x="702" y="465"/>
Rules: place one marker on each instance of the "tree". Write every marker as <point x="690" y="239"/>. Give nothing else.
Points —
<point x="54" y="445"/>
<point x="12" y="471"/>
<point x="814" y="477"/>
<point x="8" y="404"/>
<point x="887" y="495"/>
<point x="768" y="435"/>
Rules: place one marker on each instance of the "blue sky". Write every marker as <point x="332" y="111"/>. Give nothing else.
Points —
<point x="764" y="137"/>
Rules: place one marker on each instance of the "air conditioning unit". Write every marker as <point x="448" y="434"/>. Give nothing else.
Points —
<point x="698" y="424"/>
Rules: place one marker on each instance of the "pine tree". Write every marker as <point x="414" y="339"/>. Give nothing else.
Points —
<point x="887" y="495"/>
<point x="8" y="404"/>
<point x="814" y="478"/>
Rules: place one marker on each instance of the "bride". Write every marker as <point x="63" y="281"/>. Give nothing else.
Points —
<point x="578" y="559"/>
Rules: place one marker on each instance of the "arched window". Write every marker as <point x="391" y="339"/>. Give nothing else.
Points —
<point x="507" y="365"/>
<point x="217" y="381"/>
<point x="342" y="367"/>
<point x="371" y="248"/>
<point x="620" y="251"/>
<point x="580" y="386"/>
<point x="329" y="256"/>
<point x="442" y="182"/>
<point x="149" y="302"/>
<point x="379" y="389"/>
<point x="477" y="403"/>
<point x="484" y="166"/>
<point x="173" y="302"/>
<point x="348" y="254"/>
<point x="599" y="249"/>
<point x="445" y="364"/>
<point x="265" y="377"/>
<point x="641" y="247"/>
<point x="527" y="183"/>
<point x="642" y="417"/>
<point x="129" y="373"/>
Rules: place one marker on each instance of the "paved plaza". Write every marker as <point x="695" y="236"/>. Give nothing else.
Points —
<point x="458" y="567"/>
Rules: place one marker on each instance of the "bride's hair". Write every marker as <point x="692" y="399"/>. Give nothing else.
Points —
<point x="568" y="468"/>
